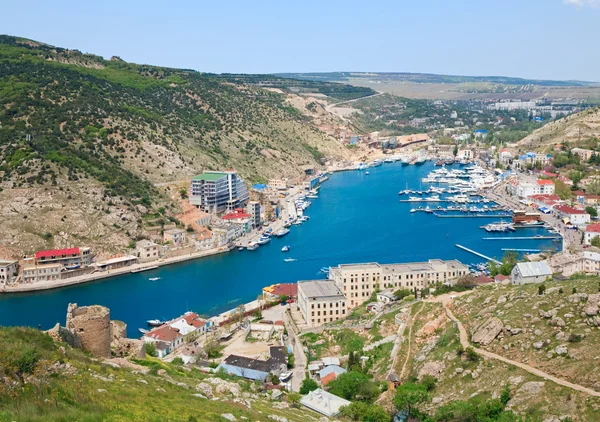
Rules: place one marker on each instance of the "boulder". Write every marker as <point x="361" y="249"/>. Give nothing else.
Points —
<point x="557" y="322"/>
<point x="229" y="417"/>
<point x="486" y="332"/>
<point x="538" y="345"/>
<point x="501" y="299"/>
<point x="432" y="368"/>
<point x="205" y="389"/>
<point x="561" y="350"/>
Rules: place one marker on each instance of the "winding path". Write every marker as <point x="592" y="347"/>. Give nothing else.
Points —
<point x="464" y="341"/>
<point x="411" y="323"/>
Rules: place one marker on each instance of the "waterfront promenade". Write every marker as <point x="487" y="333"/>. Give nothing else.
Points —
<point x="100" y="275"/>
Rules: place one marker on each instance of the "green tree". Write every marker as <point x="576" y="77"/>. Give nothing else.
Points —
<point x="354" y="386"/>
<point x="410" y="396"/>
<point x="428" y="381"/>
<point x="591" y="211"/>
<point x="596" y="241"/>
<point x="360" y="411"/>
<point x="308" y="385"/>
<point x="562" y="190"/>
<point x="455" y="150"/>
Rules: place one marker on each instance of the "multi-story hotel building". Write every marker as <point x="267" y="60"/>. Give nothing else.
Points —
<point x="215" y="191"/>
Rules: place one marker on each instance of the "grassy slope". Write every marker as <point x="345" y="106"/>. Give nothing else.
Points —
<point x="53" y="396"/>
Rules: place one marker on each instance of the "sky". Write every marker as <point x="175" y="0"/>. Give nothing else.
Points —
<point x="541" y="39"/>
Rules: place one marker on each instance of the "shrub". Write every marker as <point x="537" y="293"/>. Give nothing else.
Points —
<point x="308" y="385"/>
<point x="541" y="289"/>
<point x="428" y="381"/>
<point x="472" y="355"/>
<point x="177" y="361"/>
<point x="150" y="349"/>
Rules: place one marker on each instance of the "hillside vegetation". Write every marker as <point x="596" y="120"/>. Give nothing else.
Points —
<point x="45" y="381"/>
<point x="84" y="141"/>
<point x="574" y="129"/>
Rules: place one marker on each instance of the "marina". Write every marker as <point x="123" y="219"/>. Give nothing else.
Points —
<point x="353" y="220"/>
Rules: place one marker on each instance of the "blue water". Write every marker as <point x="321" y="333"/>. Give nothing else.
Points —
<point x="357" y="218"/>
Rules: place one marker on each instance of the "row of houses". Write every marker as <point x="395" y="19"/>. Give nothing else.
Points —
<point x="176" y="333"/>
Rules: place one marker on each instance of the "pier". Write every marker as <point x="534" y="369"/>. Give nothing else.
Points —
<point x="471" y="216"/>
<point x="477" y="253"/>
<point x="521" y="250"/>
<point x="521" y="238"/>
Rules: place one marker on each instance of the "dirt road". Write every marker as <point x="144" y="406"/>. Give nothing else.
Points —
<point x="446" y="300"/>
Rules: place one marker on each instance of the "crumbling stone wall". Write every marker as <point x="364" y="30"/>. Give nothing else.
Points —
<point x="91" y="324"/>
<point x="118" y="330"/>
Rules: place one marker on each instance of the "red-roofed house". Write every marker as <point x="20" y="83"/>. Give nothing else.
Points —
<point x="70" y="257"/>
<point x="565" y="180"/>
<point x="239" y="218"/>
<point x="591" y="231"/>
<point x="328" y="378"/>
<point x="502" y="279"/>
<point x="545" y="201"/>
<point x="592" y="199"/>
<point x="164" y="335"/>
<point x="482" y="280"/>
<point x="548" y="174"/>
<point x="274" y="291"/>
<point x="571" y="215"/>
<point x="546" y="186"/>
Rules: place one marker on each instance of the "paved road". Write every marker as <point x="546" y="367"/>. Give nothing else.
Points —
<point x="464" y="341"/>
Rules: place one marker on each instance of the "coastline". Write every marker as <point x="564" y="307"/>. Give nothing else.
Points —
<point x="87" y="278"/>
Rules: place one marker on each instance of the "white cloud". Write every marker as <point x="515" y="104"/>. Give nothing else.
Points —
<point x="582" y="3"/>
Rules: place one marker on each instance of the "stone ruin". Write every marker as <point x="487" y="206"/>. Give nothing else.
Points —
<point x="90" y="328"/>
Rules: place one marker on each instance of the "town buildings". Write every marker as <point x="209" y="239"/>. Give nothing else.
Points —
<point x="278" y="184"/>
<point x="359" y="281"/>
<point x="256" y="369"/>
<point x="223" y="234"/>
<point x="320" y="301"/>
<point x="68" y="258"/>
<point x="147" y="251"/>
<point x="324" y="403"/>
<point x="583" y="154"/>
<point x="8" y="272"/>
<point x="238" y="218"/>
<point x="531" y="272"/>
<point x="571" y="215"/>
<point x="42" y="273"/>
<point x="176" y="333"/>
<point x="175" y="237"/>
<point x="524" y="188"/>
<point x="534" y="159"/>
<point x="591" y="231"/>
<point x="216" y="192"/>
<point x="254" y="213"/>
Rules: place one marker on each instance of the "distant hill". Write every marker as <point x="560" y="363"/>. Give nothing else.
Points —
<point x="429" y="78"/>
<point x="85" y="142"/>
<point x="577" y="128"/>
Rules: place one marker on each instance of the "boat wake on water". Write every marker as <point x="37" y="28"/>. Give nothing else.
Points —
<point x="290" y="259"/>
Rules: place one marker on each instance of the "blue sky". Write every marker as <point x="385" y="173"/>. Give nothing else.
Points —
<point x="546" y="39"/>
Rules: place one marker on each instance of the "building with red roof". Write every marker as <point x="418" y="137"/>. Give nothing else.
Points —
<point x="238" y="217"/>
<point x="274" y="291"/>
<point x="69" y="257"/>
<point x="571" y="215"/>
<point x="591" y="231"/>
<point x="502" y="279"/>
<point x="545" y="201"/>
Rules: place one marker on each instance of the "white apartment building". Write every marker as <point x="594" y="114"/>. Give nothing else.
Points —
<point x="223" y="234"/>
<point x="40" y="273"/>
<point x="359" y="281"/>
<point x="591" y="262"/>
<point x="320" y="302"/>
<point x="215" y="191"/>
<point x="525" y="188"/>
<point x="8" y="272"/>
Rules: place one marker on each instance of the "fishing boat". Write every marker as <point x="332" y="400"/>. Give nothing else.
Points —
<point x="285" y="248"/>
<point x="252" y="246"/>
<point x="154" y="278"/>
<point x="155" y="322"/>
<point x="282" y="232"/>
<point x="143" y="331"/>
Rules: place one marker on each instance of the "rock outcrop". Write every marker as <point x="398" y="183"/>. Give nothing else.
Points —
<point x="487" y="331"/>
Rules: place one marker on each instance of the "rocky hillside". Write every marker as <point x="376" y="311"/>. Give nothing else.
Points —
<point x="45" y="381"/>
<point x="88" y="145"/>
<point x="571" y="129"/>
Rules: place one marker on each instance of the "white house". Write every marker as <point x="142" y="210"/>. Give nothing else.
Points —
<point x="386" y="296"/>
<point x="571" y="215"/>
<point x="591" y="231"/>
<point x="531" y="272"/>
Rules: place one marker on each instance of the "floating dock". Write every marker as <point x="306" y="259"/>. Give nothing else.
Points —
<point x="521" y="250"/>
<point x="522" y="238"/>
<point x="477" y="253"/>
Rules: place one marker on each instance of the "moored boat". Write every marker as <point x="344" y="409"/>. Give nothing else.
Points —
<point x="155" y="322"/>
<point x="282" y="232"/>
<point x="285" y="248"/>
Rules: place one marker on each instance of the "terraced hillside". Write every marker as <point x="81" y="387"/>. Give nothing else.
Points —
<point x="84" y="141"/>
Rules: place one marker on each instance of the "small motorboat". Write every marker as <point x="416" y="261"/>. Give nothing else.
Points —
<point x="366" y="173"/>
<point x="324" y="270"/>
<point x="154" y="278"/>
<point x="154" y="322"/>
<point x="241" y="248"/>
<point x="289" y="259"/>
<point x="413" y="210"/>
<point x="143" y="331"/>
<point x="285" y="248"/>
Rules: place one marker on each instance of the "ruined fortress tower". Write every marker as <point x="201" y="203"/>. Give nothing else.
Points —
<point x="91" y="324"/>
